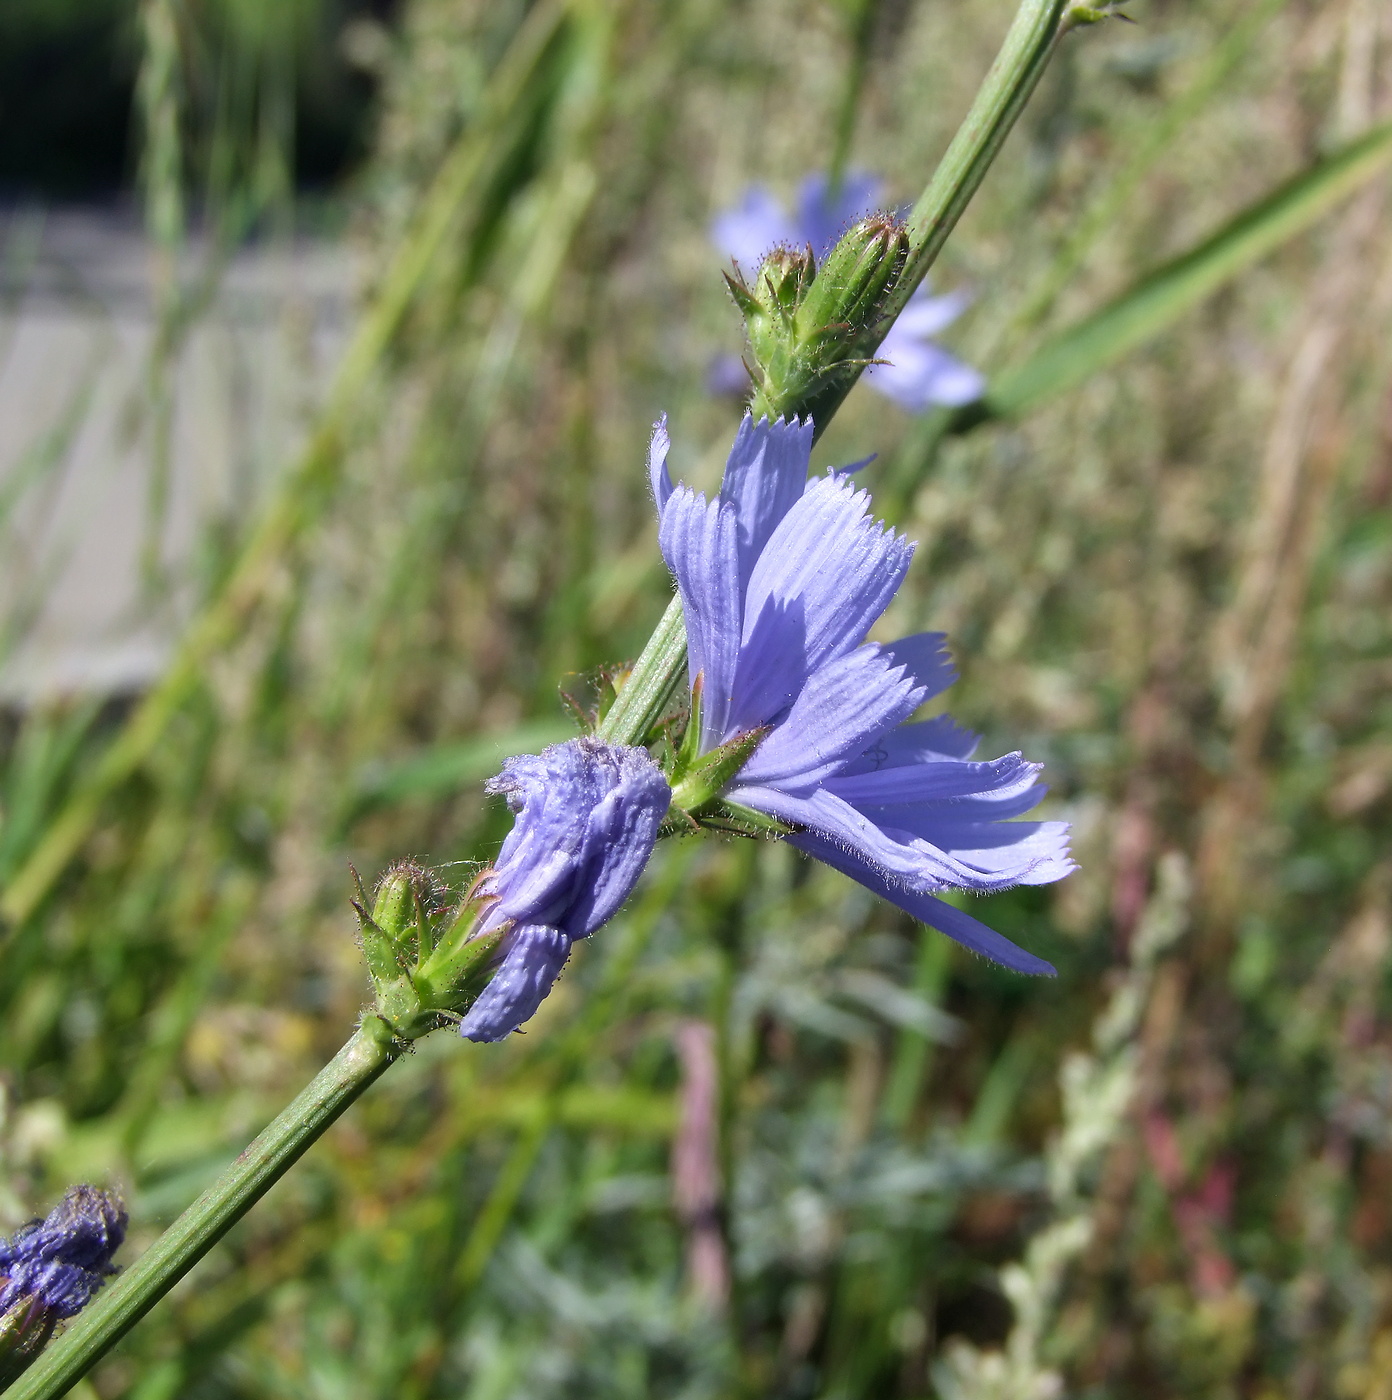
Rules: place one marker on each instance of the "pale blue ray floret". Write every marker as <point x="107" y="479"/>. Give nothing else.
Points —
<point x="587" y="819"/>
<point x="781" y="578"/>
<point x="915" y="372"/>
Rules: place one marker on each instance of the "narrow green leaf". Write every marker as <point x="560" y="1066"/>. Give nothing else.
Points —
<point x="1162" y="297"/>
<point x="445" y="768"/>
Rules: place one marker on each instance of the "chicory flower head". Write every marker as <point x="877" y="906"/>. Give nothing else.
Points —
<point x="781" y="578"/>
<point x="910" y="368"/>
<point x="588" y="815"/>
<point x="59" y="1262"/>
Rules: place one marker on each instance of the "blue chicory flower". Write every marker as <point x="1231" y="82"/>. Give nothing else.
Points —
<point x="781" y="579"/>
<point x="915" y="373"/>
<point x="587" y="819"/>
<point x="59" y="1262"/>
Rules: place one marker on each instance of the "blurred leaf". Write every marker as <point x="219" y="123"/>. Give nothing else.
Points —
<point x="1162" y="297"/>
<point x="444" y="769"/>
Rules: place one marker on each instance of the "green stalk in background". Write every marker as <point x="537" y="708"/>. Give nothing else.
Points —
<point x="1146" y="309"/>
<point x="646" y="692"/>
<point x="1160" y="298"/>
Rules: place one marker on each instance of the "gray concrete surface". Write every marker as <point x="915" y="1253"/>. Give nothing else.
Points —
<point x="96" y="560"/>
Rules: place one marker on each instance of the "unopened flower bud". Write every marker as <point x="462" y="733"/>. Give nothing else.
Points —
<point x="810" y="328"/>
<point x="588" y="814"/>
<point x="849" y="291"/>
<point x="51" y="1268"/>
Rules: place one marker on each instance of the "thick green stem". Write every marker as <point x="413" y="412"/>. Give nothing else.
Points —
<point x="652" y="683"/>
<point x="119" y="1306"/>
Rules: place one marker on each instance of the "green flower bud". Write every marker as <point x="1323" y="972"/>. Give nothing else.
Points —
<point x="811" y="328"/>
<point x="852" y="285"/>
<point x="426" y="961"/>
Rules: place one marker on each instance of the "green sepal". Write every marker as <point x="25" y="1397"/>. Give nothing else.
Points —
<point x="745" y="821"/>
<point x="858" y="274"/>
<point x="705" y="779"/>
<point x="447" y="980"/>
<point x="25" y="1327"/>
<point x="811" y="329"/>
<point x="380" y="950"/>
<point x="394" y="909"/>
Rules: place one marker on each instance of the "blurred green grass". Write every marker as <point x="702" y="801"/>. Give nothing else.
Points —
<point x="1169" y="579"/>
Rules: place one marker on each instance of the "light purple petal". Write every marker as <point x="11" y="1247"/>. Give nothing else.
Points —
<point x="935" y="815"/>
<point x="1024" y="853"/>
<point x="960" y="927"/>
<point x="934" y="781"/>
<point x="940" y="737"/>
<point x="926" y="315"/>
<point x="699" y="543"/>
<point x="898" y="854"/>
<point x="827" y="573"/>
<point x="619" y="838"/>
<point x="823" y="216"/>
<point x="658" y="477"/>
<point x="842" y="706"/>
<point x="917" y="374"/>
<point x="587" y="818"/>
<point x="765" y="474"/>
<point x="754" y="226"/>
<point x="927" y="658"/>
<point x="535" y="955"/>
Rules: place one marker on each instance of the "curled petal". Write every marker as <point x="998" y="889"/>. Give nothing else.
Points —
<point x="698" y="539"/>
<point x="533" y="958"/>
<point x="658" y="476"/>
<point x="587" y="819"/>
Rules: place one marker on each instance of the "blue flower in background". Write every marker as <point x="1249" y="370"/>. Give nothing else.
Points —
<point x="587" y="820"/>
<point x="59" y="1262"/>
<point x="781" y="578"/>
<point x="917" y="373"/>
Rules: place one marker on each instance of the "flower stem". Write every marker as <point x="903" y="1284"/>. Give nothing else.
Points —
<point x="1028" y="47"/>
<point x="122" y="1304"/>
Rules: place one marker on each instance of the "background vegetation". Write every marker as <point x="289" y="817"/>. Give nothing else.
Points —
<point x="899" y="1171"/>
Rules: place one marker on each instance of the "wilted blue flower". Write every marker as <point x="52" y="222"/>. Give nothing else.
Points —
<point x="781" y="578"/>
<point x="587" y="820"/>
<point x="59" y="1262"/>
<point x="917" y="373"/>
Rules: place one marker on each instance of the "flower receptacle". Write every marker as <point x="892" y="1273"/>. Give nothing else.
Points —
<point x="696" y="789"/>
